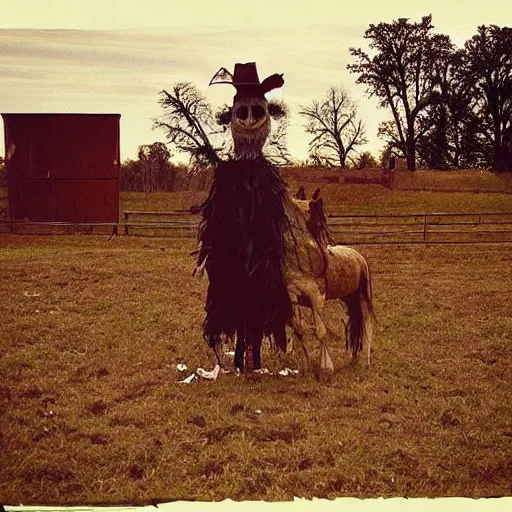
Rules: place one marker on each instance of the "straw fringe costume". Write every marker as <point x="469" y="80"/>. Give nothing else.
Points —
<point x="242" y="232"/>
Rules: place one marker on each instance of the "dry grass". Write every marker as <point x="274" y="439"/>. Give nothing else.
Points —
<point x="460" y="181"/>
<point x="91" y="410"/>
<point x="348" y="198"/>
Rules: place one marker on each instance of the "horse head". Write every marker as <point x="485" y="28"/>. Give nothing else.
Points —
<point x="314" y="215"/>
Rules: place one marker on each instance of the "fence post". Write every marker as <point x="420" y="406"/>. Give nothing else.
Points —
<point x="126" y="214"/>
<point x="425" y="228"/>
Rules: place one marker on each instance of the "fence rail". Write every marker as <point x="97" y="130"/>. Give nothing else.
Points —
<point x="416" y="228"/>
<point x="26" y="227"/>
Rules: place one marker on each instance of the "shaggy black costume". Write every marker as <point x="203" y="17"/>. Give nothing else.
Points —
<point x="241" y="235"/>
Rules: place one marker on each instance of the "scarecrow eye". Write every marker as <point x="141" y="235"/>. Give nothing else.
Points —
<point x="258" y="112"/>
<point x="242" y="113"/>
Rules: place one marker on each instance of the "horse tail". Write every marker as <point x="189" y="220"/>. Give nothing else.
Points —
<point x="360" y="315"/>
<point x="369" y="316"/>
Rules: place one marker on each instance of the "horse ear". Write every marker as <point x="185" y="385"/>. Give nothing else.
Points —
<point x="316" y="195"/>
<point x="301" y="194"/>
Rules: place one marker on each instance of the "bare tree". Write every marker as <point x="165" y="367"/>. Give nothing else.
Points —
<point x="335" y="128"/>
<point x="276" y="149"/>
<point x="190" y="125"/>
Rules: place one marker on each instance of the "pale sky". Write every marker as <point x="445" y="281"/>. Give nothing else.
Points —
<point x="119" y="54"/>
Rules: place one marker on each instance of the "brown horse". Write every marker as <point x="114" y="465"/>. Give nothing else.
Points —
<point x="316" y="270"/>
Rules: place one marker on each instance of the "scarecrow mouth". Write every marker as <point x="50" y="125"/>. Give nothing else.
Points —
<point x="250" y="126"/>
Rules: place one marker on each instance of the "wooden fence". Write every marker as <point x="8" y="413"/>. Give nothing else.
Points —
<point x="418" y="228"/>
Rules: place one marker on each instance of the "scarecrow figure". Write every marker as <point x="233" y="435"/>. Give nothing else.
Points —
<point x="241" y="232"/>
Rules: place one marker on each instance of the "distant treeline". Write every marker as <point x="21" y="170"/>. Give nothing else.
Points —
<point x="153" y="171"/>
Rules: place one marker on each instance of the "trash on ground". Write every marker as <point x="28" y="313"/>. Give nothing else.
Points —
<point x="263" y="371"/>
<point x="288" y="371"/>
<point x="189" y="379"/>
<point x="28" y="294"/>
<point x="209" y="375"/>
<point x="181" y="367"/>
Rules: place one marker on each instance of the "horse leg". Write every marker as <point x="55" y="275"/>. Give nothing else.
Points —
<point x="280" y="339"/>
<point x="296" y="324"/>
<point x="321" y="333"/>
<point x="305" y="356"/>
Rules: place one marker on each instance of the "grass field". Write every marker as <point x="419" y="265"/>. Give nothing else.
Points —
<point x="92" y="410"/>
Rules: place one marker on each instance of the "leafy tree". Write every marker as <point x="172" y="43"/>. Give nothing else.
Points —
<point x="335" y="128"/>
<point x="488" y="66"/>
<point x="432" y="146"/>
<point x="455" y="139"/>
<point x="400" y="75"/>
<point x="131" y="176"/>
<point x="150" y="172"/>
<point x="366" y="161"/>
<point x="154" y="166"/>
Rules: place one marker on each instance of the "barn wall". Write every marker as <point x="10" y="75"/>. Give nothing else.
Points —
<point x="63" y="167"/>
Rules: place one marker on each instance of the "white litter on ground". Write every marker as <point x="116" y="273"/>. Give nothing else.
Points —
<point x="288" y="371"/>
<point x="217" y="370"/>
<point x="263" y="371"/>
<point x="189" y="379"/>
<point x="201" y="372"/>
<point x="209" y="375"/>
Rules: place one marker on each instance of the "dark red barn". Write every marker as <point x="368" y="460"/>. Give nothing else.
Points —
<point x="63" y="167"/>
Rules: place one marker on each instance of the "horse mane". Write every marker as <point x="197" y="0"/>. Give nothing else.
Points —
<point x="316" y="220"/>
<point x="317" y="223"/>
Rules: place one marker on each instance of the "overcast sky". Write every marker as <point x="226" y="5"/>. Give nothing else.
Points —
<point x="115" y="56"/>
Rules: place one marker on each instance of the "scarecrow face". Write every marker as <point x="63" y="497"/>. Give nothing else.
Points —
<point x="249" y="116"/>
<point x="250" y="126"/>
